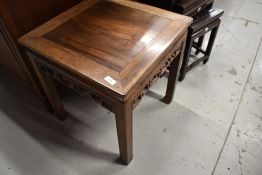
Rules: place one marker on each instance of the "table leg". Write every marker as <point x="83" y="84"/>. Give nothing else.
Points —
<point x="124" y="131"/>
<point x="48" y="90"/>
<point x="172" y="79"/>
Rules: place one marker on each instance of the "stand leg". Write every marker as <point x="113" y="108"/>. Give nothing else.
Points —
<point x="211" y="43"/>
<point x="187" y="51"/>
<point x="199" y="44"/>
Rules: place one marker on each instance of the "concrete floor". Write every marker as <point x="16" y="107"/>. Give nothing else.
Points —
<point x="213" y="126"/>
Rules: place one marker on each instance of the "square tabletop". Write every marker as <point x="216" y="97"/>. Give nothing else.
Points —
<point x="111" y="43"/>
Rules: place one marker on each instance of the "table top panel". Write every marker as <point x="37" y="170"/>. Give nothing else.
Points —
<point x="110" y="42"/>
<point x="109" y="33"/>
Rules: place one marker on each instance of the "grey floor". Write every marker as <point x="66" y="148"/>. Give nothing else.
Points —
<point x="213" y="126"/>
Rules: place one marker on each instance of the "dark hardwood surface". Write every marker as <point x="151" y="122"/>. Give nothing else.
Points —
<point x="112" y="51"/>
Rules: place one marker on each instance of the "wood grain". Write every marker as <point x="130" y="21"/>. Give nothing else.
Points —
<point x="107" y="34"/>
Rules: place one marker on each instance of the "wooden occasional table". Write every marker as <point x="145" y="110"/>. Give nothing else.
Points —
<point x="111" y="50"/>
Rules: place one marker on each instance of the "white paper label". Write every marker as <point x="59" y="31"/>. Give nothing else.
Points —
<point x="110" y="80"/>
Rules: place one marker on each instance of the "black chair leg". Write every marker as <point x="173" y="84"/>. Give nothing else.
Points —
<point x="183" y="69"/>
<point x="211" y="43"/>
<point x="199" y="44"/>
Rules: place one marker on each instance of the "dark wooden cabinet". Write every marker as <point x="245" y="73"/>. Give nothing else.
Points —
<point x="17" y="17"/>
<point x="186" y="7"/>
<point x="10" y="58"/>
